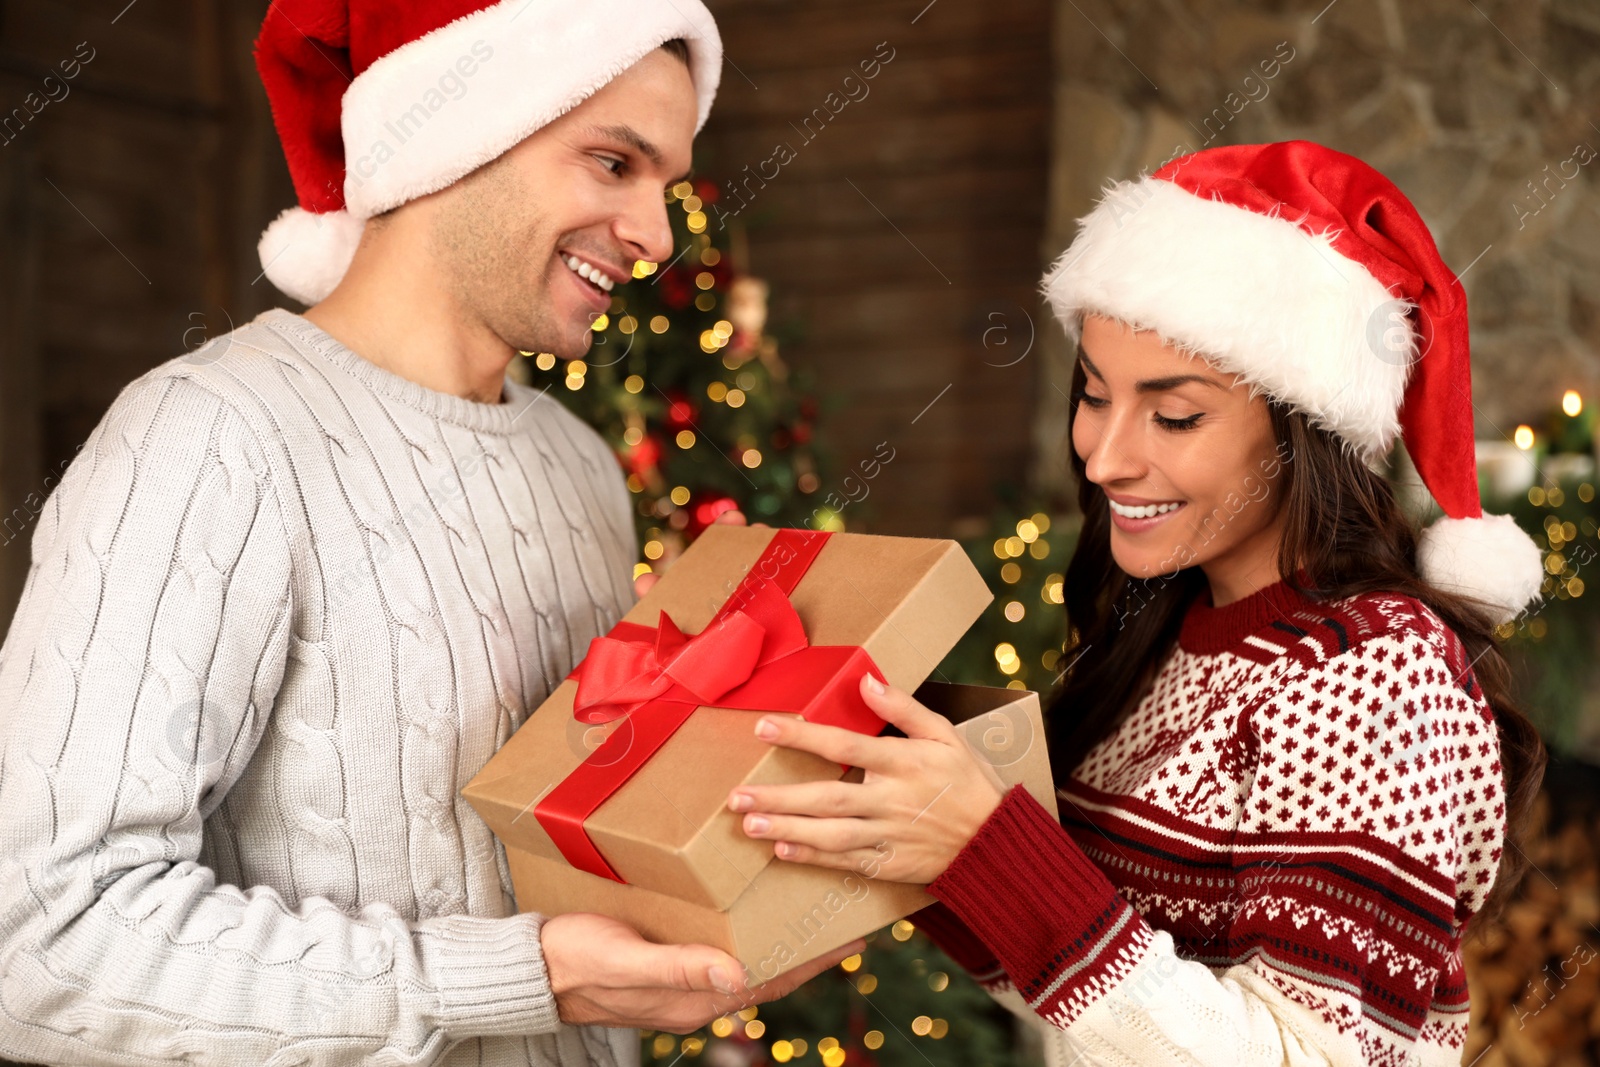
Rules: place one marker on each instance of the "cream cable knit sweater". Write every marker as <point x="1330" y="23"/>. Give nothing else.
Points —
<point x="282" y="607"/>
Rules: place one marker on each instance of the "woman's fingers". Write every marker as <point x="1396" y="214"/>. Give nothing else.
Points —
<point x="807" y="798"/>
<point x="897" y="708"/>
<point x="825" y="835"/>
<point x="830" y="742"/>
<point x="867" y="862"/>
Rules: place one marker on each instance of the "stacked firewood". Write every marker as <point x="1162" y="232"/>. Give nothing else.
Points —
<point x="1535" y="975"/>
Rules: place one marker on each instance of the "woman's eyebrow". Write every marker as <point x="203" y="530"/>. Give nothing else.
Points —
<point x="1158" y="385"/>
<point x="1153" y="385"/>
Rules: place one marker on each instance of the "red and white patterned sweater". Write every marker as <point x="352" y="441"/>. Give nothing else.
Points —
<point x="1269" y="862"/>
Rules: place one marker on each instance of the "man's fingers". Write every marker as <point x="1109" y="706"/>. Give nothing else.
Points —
<point x="691" y="968"/>
<point x="791" y="980"/>
<point x="642" y="584"/>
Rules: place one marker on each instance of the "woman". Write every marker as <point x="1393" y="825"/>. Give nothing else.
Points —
<point x="1289" y="768"/>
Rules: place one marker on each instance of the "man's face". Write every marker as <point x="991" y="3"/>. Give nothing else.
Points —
<point x="590" y="186"/>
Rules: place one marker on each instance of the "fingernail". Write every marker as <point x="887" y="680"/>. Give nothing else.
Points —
<point x="875" y="686"/>
<point x="766" y="729"/>
<point x="757" y="824"/>
<point x="719" y="980"/>
<point x="784" y="850"/>
<point x="740" y="802"/>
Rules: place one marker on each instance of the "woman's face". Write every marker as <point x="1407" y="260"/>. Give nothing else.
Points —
<point x="1186" y="458"/>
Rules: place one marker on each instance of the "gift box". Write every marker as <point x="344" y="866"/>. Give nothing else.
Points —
<point x="611" y="797"/>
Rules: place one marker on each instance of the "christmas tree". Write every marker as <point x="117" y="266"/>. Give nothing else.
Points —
<point x="686" y="383"/>
<point x="1019" y="640"/>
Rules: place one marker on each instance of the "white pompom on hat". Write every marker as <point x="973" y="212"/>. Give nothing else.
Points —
<point x="1307" y="273"/>
<point x="377" y="104"/>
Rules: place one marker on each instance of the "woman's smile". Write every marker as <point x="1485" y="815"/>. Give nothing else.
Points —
<point x="1134" y="515"/>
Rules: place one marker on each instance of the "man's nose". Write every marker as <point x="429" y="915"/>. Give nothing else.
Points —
<point x="644" y="228"/>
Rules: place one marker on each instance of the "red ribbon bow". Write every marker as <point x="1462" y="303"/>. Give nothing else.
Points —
<point x="754" y="656"/>
<point x="635" y="664"/>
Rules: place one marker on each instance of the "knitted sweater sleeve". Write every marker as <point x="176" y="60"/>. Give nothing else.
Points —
<point x="1371" y="831"/>
<point x="136" y="680"/>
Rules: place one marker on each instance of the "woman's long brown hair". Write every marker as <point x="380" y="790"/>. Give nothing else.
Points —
<point x="1349" y="535"/>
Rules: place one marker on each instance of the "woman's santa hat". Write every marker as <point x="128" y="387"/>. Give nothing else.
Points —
<point x="1310" y="275"/>
<point x="379" y="103"/>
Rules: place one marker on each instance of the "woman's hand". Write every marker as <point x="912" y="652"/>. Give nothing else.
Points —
<point x="642" y="584"/>
<point x="923" y="798"/>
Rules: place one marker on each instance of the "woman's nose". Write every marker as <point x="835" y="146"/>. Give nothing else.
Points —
<point x="1113" y="454"/>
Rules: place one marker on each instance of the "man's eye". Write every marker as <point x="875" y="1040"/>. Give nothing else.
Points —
<point x="615" y="166"/>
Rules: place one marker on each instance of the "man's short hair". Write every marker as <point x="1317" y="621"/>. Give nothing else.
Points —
<point x="679" y="47"/>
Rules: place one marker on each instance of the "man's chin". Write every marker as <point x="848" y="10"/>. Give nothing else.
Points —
<point x="568" y="347"/>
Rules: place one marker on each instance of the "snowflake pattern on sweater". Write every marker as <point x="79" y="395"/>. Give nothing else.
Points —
<point x="1270" y="860"/>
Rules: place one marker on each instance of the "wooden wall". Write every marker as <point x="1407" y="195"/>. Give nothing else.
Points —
<point x="904" y="236"/>
<point x="131" y="195"/>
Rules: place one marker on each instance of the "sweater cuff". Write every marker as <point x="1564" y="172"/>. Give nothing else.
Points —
<point x="488" y="976"/>
<point x="1055" y="922"/>
<point x="958" y="942"/>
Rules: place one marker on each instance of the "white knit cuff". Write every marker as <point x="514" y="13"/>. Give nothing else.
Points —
<point x="487" y="975"/>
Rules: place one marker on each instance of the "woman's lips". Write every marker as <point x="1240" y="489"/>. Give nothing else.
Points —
<point x="1141" y="517"/>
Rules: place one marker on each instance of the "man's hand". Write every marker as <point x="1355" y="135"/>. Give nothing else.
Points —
<point x="642" y="584"/>
<point x="604" y="973"/>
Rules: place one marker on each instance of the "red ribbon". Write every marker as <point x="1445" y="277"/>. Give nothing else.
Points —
<point x="752" y="656"/>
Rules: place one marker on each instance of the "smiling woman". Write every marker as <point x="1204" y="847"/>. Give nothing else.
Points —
<point x="1286" y="752"/>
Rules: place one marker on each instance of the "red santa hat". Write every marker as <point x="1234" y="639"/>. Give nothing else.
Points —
<point x="1310" y="275"/>
<point x="379" y="103"/>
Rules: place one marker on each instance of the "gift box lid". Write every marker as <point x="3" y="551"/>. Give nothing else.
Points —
<point x="903" y="601"/>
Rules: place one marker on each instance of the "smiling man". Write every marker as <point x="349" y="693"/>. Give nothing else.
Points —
<point x="300" y="584"/>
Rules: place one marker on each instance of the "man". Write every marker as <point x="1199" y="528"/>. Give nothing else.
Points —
<point x="300" y="584"/>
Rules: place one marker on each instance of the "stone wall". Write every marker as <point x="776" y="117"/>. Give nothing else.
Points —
<point x="1483" y="112"/>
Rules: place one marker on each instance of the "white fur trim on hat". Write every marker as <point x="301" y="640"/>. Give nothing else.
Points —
<point x="415" y="120"/>
<point x="1255" y="295"/>
<point x="1489" y="558"/>
<point x="305" y="254"/>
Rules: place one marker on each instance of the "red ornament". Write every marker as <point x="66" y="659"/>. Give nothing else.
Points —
<point x="802" y="433"/>
<point x="681" y="414"/>
<point x="643" y="457"/>
<point x="705" y="512"/>
<point x="677" y="287"/>
<point x="707" y="190"/>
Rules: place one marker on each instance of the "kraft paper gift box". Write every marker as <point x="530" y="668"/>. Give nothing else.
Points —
<point x="611" y="797"/>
